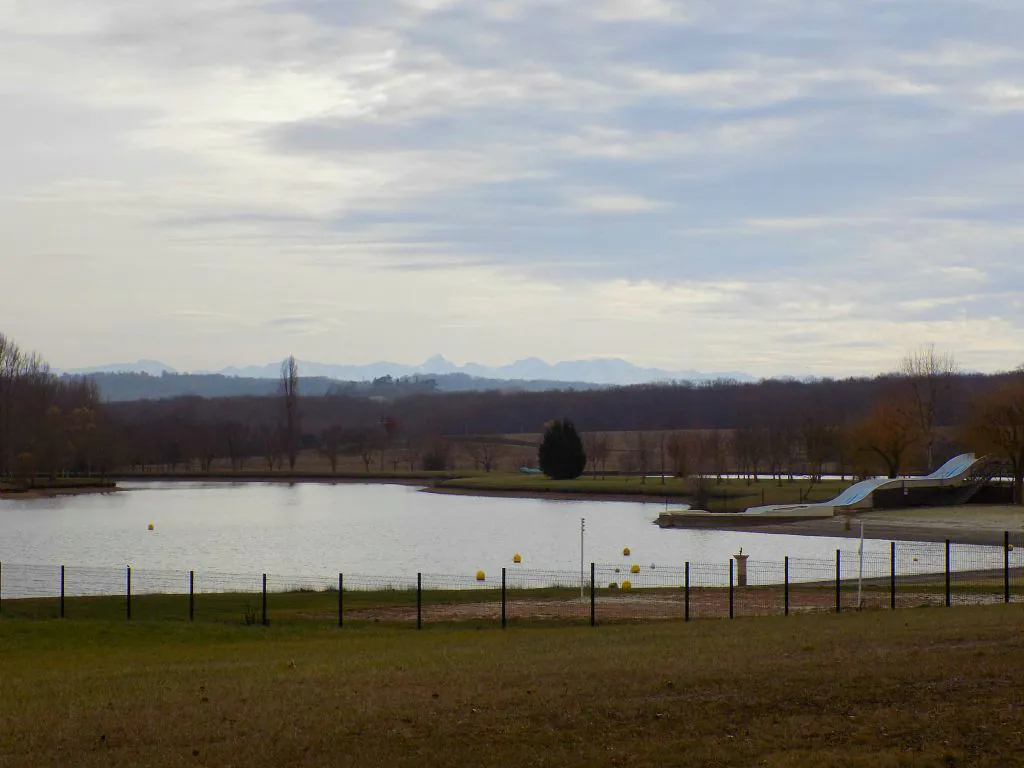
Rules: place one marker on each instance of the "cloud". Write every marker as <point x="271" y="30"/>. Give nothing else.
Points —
<point x="745" y="171"/>
<point x="612" y="202"/>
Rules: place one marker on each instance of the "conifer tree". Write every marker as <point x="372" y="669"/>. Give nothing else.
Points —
<point x="562" y="456"/>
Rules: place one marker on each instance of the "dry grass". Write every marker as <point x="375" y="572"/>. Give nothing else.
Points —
<point x="732" y="494"/>
<point x="928" y="687"/>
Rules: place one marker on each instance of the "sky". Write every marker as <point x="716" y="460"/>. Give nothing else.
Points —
<point x="775" y="187"/>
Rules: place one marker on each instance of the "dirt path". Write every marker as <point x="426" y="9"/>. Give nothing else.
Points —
<point x="704" y="604"/>
<point x="966" y="524"/>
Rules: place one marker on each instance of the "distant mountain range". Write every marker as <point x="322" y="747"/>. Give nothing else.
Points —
<point x="125" y="386"/>
<point x="603" y="371"/>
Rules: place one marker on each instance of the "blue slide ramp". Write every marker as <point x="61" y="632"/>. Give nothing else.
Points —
<point x="860" y="494"/>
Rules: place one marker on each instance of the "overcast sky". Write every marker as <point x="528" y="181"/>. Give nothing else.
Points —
<point x="771" y="186"/>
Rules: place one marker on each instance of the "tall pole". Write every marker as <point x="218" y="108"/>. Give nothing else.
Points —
<point x="860" y="571"/>
<point x="583" y="572"/>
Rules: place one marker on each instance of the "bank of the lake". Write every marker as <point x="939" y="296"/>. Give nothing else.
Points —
<point x="732" y="494"/>
<point x="46" y="489"/>
<point x="968" y="524"/>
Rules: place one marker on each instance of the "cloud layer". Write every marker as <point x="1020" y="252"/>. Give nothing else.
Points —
<point x="779" y="187"/>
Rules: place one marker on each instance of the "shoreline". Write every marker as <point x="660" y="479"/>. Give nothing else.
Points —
<point x="427" y="484"/>
<point x="876" y="527"/>
<point x="51" y="493"/>
<point x="634" y="498"/>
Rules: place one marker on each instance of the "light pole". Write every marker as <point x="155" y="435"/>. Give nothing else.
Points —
<point x="860" y="571"/>
<point x="583" y="527"/>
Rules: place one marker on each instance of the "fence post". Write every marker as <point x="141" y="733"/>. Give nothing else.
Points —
<point x="504" y="599"/>
<point x="191" y="595"/>
<point x="892" y="575"/>
<point x="341" y="600"/>
<point x="419" y="601"/>
<point x="1006" y="566"/>
<point x="949" y="595"/>
<point x="128" y="593"/>
<point x="839" y="576"/>
<point x="264" y="617"/>
<point x="786" y="584"/>
<point x="593" y="596"/>
<point x="731" y="601"/>
<point x="62" y="591"/>
<point x="686" y="594"/>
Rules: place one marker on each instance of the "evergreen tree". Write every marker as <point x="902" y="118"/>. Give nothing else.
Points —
<point x="561" y="453"/>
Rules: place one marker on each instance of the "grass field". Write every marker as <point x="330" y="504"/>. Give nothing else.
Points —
<point x="929" y="687"/>
<point x="730" y="494"/>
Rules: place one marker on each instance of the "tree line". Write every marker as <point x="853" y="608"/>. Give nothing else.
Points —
<point x="48" y="425"/>
<point x="909" y="420"/>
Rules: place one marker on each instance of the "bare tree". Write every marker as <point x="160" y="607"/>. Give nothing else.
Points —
<point x="680" y="453"/>
<point x="642" y="450"/>
<point x="270" y="446"/>
<point x="714" y="449"/>
<point x="437" y="455"/>
<point x="56" y="441"/>
<point x="365" y="442"/>
<point x="484" y="455"/>
<point x="332" y="440"/>
<point x="390" y="427"/>
<point x="889" y="432"/>
<point x="596" y="446"/>
<point x="780" y="448"/>
<point x="821" y="440"/>
<point x="206" y="445"/>
<point x="749" y="448"/>
<point x="413" y="449"/>
<point x="292" y="419"/>
<point x="930" y="376"/>
<point x="235" y="436"/>
<point x="997" y="425"/>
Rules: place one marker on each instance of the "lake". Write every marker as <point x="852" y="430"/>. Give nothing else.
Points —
<point x="321" y="529"/>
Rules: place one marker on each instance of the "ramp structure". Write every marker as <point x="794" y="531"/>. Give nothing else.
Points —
<point x="952" y="483"/>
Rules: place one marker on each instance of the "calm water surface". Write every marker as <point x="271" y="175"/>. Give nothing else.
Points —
<point x="318" y="529"/>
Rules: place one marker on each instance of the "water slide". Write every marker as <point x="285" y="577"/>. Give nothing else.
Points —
<point x="860" y="495"/>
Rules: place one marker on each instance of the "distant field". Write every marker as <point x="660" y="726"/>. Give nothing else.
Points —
<point x="730" y="494"/>
<point x="515" y="450"/>
<point x="929" y="687"/>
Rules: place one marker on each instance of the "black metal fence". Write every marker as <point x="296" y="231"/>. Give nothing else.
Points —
<point x="909" y="575"/>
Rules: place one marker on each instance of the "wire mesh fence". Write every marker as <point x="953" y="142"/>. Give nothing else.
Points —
<point x="912" y="574"/>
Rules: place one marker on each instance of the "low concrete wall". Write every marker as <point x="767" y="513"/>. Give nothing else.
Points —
<point x="725" y="519"/>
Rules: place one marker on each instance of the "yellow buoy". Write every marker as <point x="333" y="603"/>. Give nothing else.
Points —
<point x="627" y="584"/>
<point x="480" y="576"/>
<point x="151" y="526"/>
<point x="1009" y="547"/>
<point x="625" y="552"/>
<point x="517" y="558"/>
<point x="634" y="568"/>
